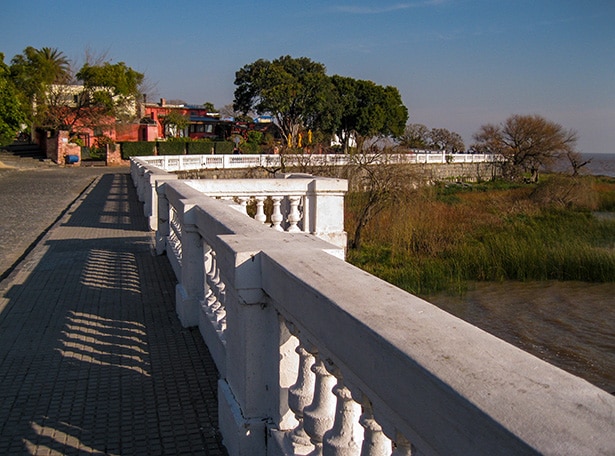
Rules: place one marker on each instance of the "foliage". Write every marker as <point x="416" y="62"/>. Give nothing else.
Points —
<point x="48" y="88"/>
<point x="418" y="136"/>
<point x="112" y="89"/>
<point x="296" y="92"/>
<point x="383" y="185"/>
<point x="224" y="147"/>
<point x="12" y="116"/>
<point x="99" y="151"/>
<point x="137" y="148"/>
<point x="33" y="72"/>
<point x="209" y="106"/>
<point x="174" y="123"/>
<point x="171" y="147"/>
<point x="301" y="97"/>
<point x="429" y="242"/>
<point x="415" y="136"/>
<point x="252" y="145"/>
<point x="365" y="109"/>
<point x="200" y="147"/>
<point x="527" y="143"/>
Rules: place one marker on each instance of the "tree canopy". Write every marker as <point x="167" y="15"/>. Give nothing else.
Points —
<point x="111" y="88"/>
<point x="367" y="109"/>
<point x="418" y="136"/>
<point x="298" y="93"/>
<point x="527" y="143"/>
<point x="12" y="116"/>
<point x="52" y="97"/>
<point x="295" y="91"/>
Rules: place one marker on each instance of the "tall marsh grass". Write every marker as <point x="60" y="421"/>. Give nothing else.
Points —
<point x="442" y="237"/>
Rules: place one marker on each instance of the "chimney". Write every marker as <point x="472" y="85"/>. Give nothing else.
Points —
<point x="163" y="102"/>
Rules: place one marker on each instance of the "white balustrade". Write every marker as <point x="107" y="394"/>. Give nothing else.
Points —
<point x="195" y="162"/>
<point x="373" y="370"/>
<point x="300" y="395"/>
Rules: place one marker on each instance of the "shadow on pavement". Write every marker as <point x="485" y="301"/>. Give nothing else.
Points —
<point x="92" y="356"/>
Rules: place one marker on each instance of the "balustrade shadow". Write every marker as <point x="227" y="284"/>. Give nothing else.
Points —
<point x="92" y="356"/>
<point x="120" y="208"/>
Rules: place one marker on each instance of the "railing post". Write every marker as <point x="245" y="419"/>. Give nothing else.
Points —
<point x="162" y="233"/>
<point x="325" y="210"/>
<point x="189" y="291"/>
<point x="249" y="397"/>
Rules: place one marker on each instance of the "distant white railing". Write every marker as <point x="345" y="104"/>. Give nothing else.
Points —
<point x="316" y="356"/>
<point x="194" y="162"/>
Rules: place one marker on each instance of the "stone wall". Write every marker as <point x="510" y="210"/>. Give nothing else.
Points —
<point x="424" y="173"/>
<point x="57" y="148"/>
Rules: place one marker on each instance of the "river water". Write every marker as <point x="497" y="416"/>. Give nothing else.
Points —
<point x="568" y="324"/>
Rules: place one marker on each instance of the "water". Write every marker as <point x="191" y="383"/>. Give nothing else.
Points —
<point x="601" y="164"/>
<point x="568" y="324"/>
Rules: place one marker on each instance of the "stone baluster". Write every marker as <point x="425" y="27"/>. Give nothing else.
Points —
<point x="375" y="443"/>
<point x="294" y="216"/>
<point x="220" y="292"/>
<point x="243" y="203"/>
<point x="403" y="447"/>
<point x="301" y="394"/>
<point x="340" y="439"/>
<point x="260" y="209"/>
<point x="276" y="216"/>
<point x="318" y="417"/>
<point x="215" y="293"/>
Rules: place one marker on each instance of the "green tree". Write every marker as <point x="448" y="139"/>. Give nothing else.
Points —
<point x="209" y="107"/>
<point x="527" y="143"/>
<point x="365" y="109"/>
<point x="112" y="88"/>
<point x="34" y="72"/>
<point x="296" y="92"/>
<point x="12" y="115"/>
<point x="108" y="94"/>
<point x="174" y="123"/>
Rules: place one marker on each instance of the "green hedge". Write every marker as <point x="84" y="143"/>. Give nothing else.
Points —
<point x="137" y="149"/>
<point x="200" y="147"/>
<point x="224" y="147"/>
<point x="171" y="148"/>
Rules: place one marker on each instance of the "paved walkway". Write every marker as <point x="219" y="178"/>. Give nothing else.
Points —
<point x="93" y="359"/>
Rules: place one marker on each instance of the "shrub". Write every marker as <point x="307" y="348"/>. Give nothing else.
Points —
<point x="440" y="238"/>
<point x="224" y="147"/>
<point x="137" y="149"/>
<point x="171" y="147"/>
<point x="200" y="147"/>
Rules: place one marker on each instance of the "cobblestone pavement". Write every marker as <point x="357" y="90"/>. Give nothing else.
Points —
<point x="33" y="195"/>
<point x="93" y="359"/>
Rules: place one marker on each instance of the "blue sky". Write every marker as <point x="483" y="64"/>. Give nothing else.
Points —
<point x="458" y="64"/>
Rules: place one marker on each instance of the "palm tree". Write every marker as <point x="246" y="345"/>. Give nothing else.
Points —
<point x="53" y="65"/>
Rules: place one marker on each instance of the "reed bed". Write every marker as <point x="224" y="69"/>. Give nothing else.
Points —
<point x="442" y="237"/>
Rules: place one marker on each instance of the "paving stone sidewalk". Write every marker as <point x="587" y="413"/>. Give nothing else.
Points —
<point x="93" y="359"/>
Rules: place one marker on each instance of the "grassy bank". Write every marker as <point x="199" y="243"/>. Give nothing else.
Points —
<point x="443" y="236"/>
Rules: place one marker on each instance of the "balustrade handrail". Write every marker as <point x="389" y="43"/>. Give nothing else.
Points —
<point x="268" y="304"/>
<point x="194" y="162"/>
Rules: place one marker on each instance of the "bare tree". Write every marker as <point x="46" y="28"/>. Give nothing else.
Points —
<point x="527" y="143"/>
<point x="381" y="185"/>
<point x="416" y="136"/>
<point x="576" y="161"/>
<point x="449" y="141"/>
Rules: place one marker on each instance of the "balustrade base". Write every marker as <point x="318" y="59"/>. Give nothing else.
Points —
<point x="186" y="307"/>
<point x="214" y="340"/>
<point x="279" y="444"/>
<point x="241" y="436"/>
